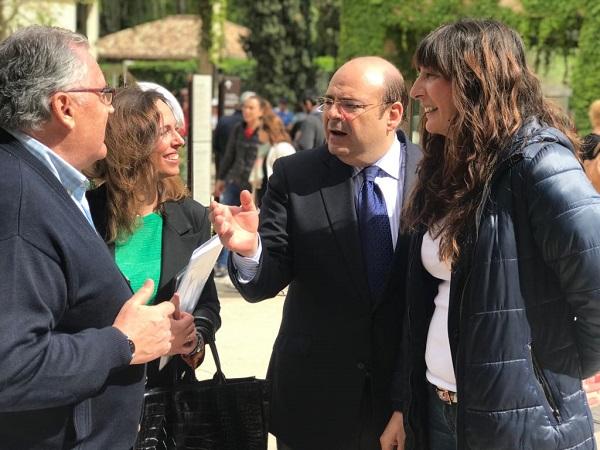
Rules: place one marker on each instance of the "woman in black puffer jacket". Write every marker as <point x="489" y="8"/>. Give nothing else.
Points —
<point x="503" y="316"/>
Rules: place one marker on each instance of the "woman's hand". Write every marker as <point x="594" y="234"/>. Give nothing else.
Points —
<point x="183" y="331"/>
<point x="194" y="360"/>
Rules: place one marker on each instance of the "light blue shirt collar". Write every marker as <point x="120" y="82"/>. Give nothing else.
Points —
<point x="75" y="183"/>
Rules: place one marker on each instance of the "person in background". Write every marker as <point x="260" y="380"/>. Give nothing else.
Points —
<point x="74" y="344"/>
<point x="310" y="133"/>
<point x="224" y="129"/>
<point x="145" y="214"/>
<point x="590" y="148"/>
<point x="503" y="294"/>
<point x="240" y="156"/>
<point x="329" y="227"/>
<point x="277" y="144"/>
<point x="286" y="116"/>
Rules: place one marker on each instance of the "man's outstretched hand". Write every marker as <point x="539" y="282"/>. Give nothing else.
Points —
<point x="237" y="226"/>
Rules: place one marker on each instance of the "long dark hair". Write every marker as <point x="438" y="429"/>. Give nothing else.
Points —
<point x="494" y="93"/>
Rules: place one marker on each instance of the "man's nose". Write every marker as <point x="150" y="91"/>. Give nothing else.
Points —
<point x="335" y="111"/>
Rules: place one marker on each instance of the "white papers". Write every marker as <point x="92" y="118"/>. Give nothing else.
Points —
<point x="197" y="272"/>
<point x="193" y="278"/>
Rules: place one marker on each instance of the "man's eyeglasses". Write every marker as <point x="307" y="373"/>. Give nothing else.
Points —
<point x="106" y="93"/>
<point x="349" y="108"/>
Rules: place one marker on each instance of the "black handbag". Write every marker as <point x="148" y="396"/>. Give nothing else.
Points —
<point x="217" y="414"/>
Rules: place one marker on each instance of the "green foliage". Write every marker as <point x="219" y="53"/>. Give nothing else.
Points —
<point x="172" y="74"/>
<point x="280" y="42"/>
<point x="244" y="69"/>
<point x="586" y="71"/>
<point x="327" y="33"/>
<point x="362" y="27"/>
<point x="393" y="29"/>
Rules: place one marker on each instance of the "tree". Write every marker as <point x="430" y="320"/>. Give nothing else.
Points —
<point x="327" y="27"/>
<point x="586" y="70"/>
<point x="12" y="15"/>
<point x="280" y="42"/>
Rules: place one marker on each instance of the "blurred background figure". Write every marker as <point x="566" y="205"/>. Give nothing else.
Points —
<point x="286" y="116"/>
<point x="276" y="143"/>
<point x="310" y="132"/>
<point x="145" y="214"/>
<point x="238" y="160"/>
<point x="224" y="128"/>
<point x="591" y="146"/>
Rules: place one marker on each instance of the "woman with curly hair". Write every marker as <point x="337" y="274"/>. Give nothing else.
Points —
<point x="143" y="211"/>
<point x="503" y="313"/>
<point x="276" y="143"/>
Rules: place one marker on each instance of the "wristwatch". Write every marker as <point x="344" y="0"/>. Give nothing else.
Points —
<point x="199" y="346"/>
<point x="131" y="347"/>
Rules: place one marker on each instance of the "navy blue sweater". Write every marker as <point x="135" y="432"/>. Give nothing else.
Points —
<point x="65" y="379"/>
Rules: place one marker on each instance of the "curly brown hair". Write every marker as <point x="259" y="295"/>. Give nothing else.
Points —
<point x="494" y="93"/>
<point x="272" y="129"/>
<point x="127" y="172"/>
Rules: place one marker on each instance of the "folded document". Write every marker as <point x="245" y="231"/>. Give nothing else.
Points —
<point x="193" y="277"/>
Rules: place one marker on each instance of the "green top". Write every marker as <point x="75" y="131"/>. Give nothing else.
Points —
<point x="139" y="257"/>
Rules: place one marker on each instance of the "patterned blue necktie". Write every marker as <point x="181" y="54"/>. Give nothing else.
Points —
<point x="375" y="234"/>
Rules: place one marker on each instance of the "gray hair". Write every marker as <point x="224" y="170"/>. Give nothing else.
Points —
<point x="37" y="61"/>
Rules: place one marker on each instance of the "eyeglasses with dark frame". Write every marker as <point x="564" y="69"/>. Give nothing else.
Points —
<point x="106" y="93"/>
<point x="350" y="108"/>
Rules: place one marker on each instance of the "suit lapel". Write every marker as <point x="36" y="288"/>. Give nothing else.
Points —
<point x="338" y="197"/>
<point x="413" y="156"/>
<point x="175" y="224"/>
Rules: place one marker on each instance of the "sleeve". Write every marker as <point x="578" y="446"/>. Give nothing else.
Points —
<point x="275" y="267"/>
<point x="246" y="267"/>
<point x="42" y="367"/>
<point x="564" y="211"/>
<point x="208" y="307"/>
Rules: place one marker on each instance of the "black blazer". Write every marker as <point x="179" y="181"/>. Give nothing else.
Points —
<point x="334" y="340"/>
<point x="185" y="227"/>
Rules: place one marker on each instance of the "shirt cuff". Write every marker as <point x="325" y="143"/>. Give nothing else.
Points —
<point x="246" y="267"/>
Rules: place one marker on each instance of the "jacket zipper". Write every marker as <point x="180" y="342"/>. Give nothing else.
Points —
<point x="543" y="381"/>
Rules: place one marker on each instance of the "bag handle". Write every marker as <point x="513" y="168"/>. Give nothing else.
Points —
<point x="208" y="326"/>
<point x="219" y="376"/>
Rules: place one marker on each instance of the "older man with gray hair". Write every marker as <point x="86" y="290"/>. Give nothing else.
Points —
<point x="74" y="339"/>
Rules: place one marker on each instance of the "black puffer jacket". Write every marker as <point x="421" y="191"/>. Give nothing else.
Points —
<point x="524" y="317"/>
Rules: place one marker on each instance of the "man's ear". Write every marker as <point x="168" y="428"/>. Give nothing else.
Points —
<point x="61" y="108"/>
<point x="395" y="116"/>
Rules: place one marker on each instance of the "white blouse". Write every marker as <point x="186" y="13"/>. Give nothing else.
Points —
<point x="440" y="370"/>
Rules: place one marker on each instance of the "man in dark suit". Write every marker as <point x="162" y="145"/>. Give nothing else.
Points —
<point x="333" y="359"/>
<point x="73" y="343"/>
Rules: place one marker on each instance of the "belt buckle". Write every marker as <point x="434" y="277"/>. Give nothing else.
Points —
<point x="446" y="396"/>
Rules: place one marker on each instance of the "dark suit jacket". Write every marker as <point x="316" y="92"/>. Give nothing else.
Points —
<point x="333" y="339"/>
<point x="185" y="228"/>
